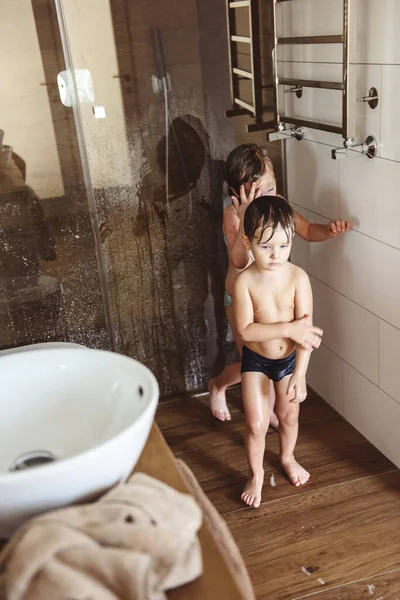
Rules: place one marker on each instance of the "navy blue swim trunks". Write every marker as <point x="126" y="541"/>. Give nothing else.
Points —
<point x="274" y="369"/>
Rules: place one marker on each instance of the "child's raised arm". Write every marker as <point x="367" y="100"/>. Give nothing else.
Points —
<point x="238" y="253"/>
<point x="319" y="232"/>
<point x="301" y="331"/>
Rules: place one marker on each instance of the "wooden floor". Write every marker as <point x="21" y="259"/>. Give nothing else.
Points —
<point x="337" y="538"/>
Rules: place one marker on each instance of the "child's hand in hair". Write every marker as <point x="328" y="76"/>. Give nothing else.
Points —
<point x="337" y="227"/>
<point x="245" y="198"/>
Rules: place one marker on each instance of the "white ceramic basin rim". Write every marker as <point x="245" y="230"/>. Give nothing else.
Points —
<point x="69" y="402"/>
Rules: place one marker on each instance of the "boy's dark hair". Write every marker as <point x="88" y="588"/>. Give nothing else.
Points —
<point x="268" y="211"/>
<point x="246" y="164"/>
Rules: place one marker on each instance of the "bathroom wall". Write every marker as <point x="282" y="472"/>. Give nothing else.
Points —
<point x="355" y="278"/>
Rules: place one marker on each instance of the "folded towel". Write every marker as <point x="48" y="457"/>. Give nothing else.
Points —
<point x="134" y="543"/>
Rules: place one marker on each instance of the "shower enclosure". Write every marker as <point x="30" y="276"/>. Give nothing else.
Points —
<point x="112" y="120"/>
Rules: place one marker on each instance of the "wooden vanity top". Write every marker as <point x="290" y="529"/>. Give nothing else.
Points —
<point x="216" y="582"/>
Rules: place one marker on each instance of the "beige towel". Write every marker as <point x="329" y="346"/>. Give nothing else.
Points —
<point x="134" y="543"/>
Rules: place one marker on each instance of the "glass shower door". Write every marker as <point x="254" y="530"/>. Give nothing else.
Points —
<point x="51" y="287"/>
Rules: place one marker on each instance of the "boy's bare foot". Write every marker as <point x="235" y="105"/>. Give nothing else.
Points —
<point x="218" y="405"/>
<point x="296" y="473"/>
<point x="252" y="491"/>
<point x="273" y="421"/>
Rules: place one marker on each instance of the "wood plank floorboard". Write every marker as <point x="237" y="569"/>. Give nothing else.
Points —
<point x="343" y="525"/>
<point x="208" y="461"/>
<point x="206" y="430"/>
<point x="341" y="533"/>
<point x="329" y="467"/>
<point x="378" y="587"/>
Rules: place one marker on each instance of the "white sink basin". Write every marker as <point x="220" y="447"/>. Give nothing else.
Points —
<point x="92" y="410"/>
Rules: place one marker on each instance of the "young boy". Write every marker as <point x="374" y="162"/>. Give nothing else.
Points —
<point x="268" y="296"/>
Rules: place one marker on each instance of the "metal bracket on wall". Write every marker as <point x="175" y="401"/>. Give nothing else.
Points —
<point x="298" y="90"/>
<point x="282" y="133"/>
<point x="297" y="133"/>
<point x="369" y="148"/>
<point x="372" y="99"/>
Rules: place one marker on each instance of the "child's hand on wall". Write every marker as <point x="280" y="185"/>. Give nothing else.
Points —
<point x="337" y="227"/>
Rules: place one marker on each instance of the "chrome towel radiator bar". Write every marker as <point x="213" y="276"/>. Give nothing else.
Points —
<point x="299" y="84"/>
<point x="255" y="108"/>
<point x="282" y="122"/>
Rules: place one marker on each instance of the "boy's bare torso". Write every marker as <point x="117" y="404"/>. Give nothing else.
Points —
<point x="273" y="298"/>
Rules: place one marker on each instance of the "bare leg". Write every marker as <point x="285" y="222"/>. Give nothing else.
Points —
<point x="288" y="415"/>
<point x="229" y="376"/>
<point x="270" y="394"/>
<point x="217" y="386"/>
<point x="257" y="420"/>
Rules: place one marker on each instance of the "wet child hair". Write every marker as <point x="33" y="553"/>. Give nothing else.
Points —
<point x="268" y="212"/>
<point x="246" y="164"/>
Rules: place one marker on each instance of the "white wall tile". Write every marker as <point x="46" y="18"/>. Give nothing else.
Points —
<point x="322" y="18"/>
<point x="293" y="21"/>
<point x="375" y="414"/>
<point x="349" y="330"/>
<point x="279" y="19"/>
<point x="369" y="197"/>
<point x="354" y="8"/>
<point x="281" y="68"/>
<point x="316" y="17"/>
<point x="368" y="274"/>
<point x="359" y="267"/>
<point x="292" y="26"/>
<point x="314" y="177"/>
<point x="390" y="124"/>
<point x="324" y="53"/>
<point x="319" y="105"/>
<point x="378" y="29"/>
<point x="389" y="356"/>
<point x="314" y="70"/>
<point x="325" y="376"/>
<point x="293" y="52"/>
<point x="351" y="115"/>
<point x="313" y="17"/>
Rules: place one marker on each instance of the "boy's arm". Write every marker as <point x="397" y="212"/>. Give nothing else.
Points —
<point x="303" y="305"/>
<point x="300" y="331"/>
<point x="318" y="232"/>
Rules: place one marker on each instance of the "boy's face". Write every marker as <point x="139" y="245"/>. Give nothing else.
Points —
<point x="270" y="254"/>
